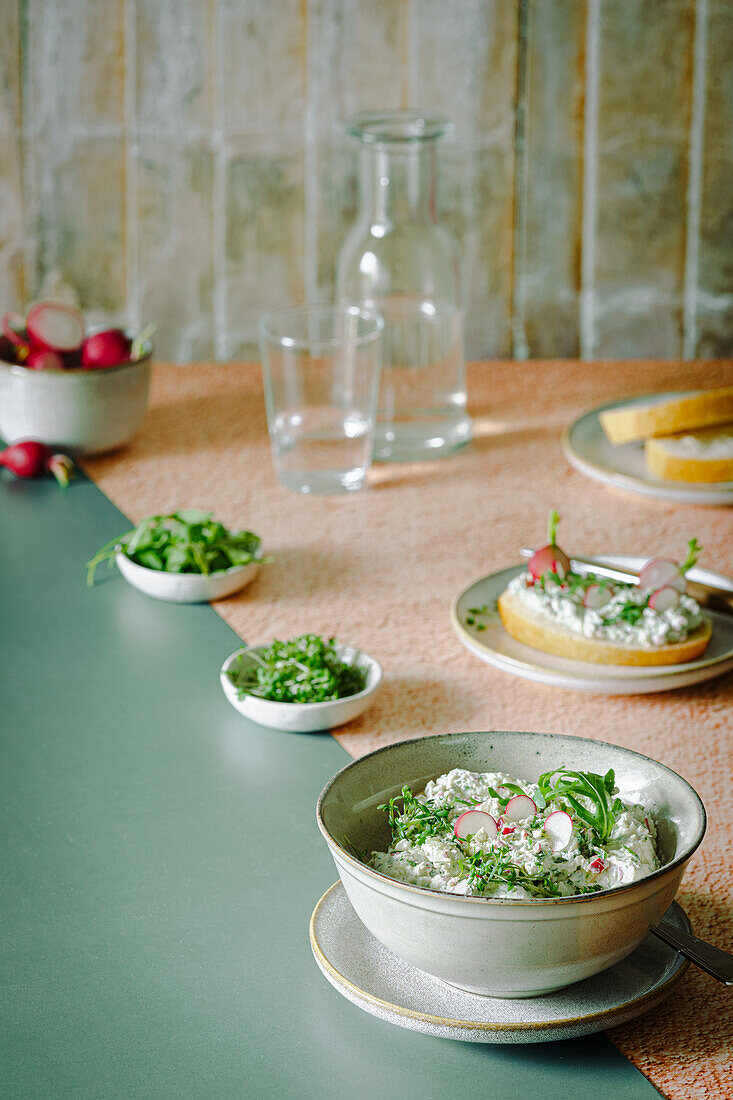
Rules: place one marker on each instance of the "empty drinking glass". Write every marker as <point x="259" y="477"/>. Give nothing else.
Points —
<point x="320" y="367"/>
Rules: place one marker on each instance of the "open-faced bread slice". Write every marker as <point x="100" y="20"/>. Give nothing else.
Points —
<point x="538" y="632"/>
<point x="666" y="416"/>
<point x="701" y="456"/>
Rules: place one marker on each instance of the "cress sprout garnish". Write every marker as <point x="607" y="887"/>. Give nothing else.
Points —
<point x="307" y="669"/>
<point x="187" y="541"/>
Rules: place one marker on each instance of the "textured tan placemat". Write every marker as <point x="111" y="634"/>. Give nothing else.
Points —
<point x="381" y="567"/>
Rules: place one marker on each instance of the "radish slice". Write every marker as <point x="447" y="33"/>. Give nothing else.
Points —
<point x="661" y="572"/>
<point x="519" y="808"/>
<point x="469" y="823"/>
<point x="55" y="327"/>
<point x="13" y="326"/>
<point x="559" y="827"/>
<point x="664" y="598"/>
<point x="550" y="559"/>
<point x="596" y="595"/>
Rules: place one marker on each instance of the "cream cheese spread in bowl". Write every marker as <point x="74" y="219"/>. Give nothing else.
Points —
<point x="524" y="858"/>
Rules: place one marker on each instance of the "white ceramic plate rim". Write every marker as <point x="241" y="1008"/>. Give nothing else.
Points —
<point x="681" y="492"/>
<point x="589" y="676"/>
<point x="342" y="983"/>
<point x="374" y="671"/>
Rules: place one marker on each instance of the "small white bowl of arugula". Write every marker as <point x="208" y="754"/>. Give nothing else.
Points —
<point x="184" y="557"/>
<point x="303" y="685"/>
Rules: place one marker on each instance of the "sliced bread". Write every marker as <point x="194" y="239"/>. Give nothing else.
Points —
<point x="538" y="632"/>
<point x="668" y="415"/>
<point x="700" y="456"/>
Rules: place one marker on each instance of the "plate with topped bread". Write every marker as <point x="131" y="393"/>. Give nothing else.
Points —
<point x="621" y="624"/>
<point x="674" y="446"/>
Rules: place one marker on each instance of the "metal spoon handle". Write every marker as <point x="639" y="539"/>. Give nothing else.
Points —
<point x="713" y="960"/>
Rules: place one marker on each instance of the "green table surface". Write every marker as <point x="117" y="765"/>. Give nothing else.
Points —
<point x="161" y="861"/>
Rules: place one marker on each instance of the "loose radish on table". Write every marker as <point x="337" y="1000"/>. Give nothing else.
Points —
<point x="469" y="823"/>
<point x="30" y="459"/>
<point x="559" y="827"/>
<point x="550" y="559"/>
<point x="519" y="808"/>
<point x="52" y="326"/>
<point x="597" y="595"/>
<point x="664" y="598"/>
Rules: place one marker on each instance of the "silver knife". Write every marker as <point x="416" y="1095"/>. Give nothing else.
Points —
<point x="717" y="597"/>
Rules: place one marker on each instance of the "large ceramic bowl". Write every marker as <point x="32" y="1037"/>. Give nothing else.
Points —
<point x="501" y="947"/>
<point x="79" y="411"/>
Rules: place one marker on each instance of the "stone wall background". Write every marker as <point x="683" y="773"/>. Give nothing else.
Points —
<point x="183" y="161"/>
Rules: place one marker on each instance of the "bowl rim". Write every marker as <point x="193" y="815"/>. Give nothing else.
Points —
<point x="197" y="576"/>
<point x="326" y="704"/>
<point x="77" y="372"/>
<point x="575" y="899"/>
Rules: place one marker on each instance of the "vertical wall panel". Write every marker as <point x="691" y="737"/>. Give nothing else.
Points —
<point x="171" y="66"/>
<point x="73" y="110"/>
<point x="11" y="165"/>
<point x="643" y="134"/>
<point x="356" y="62"/>
<point x="715" y="260"/>
<point x="466" y="68"/>
<point x="262" y="55"/>
<point x="550" y="204"/>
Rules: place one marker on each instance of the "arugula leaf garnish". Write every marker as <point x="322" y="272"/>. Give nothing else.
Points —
<point x="187" y="541"/>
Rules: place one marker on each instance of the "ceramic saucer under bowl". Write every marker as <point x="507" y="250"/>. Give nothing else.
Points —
<point x="370" y="976"/>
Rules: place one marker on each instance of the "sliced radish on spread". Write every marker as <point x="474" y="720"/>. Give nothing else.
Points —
<point x="660" y="573"/>
<point x="597" y="865"/>
<point x="559" y="827"/>
<point x="519" y="808"/>
<point x="52" y="326"/>
<point x="596" y="595"/>
<point x="664" y="598"/>
<point x="469" y="823"/>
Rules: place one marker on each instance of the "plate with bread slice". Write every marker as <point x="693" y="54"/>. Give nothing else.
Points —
<point x="675" y="446"/>
<point x="617" y="626"/>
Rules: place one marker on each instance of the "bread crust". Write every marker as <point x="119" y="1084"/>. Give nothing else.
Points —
<point x="668" y="415"/>
<point x="551" y="638"/>
<point x="668" y="466"/>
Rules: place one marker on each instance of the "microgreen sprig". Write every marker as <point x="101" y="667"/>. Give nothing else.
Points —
<point x="307" y="669"/>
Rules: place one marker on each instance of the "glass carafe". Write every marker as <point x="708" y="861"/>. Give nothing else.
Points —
<point x="400" y="261"/>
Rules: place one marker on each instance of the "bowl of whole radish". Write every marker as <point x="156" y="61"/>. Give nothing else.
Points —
<point x="71" y="390"/>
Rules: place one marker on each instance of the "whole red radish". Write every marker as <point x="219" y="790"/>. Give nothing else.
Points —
<point x="108" y="348"/>
<point x="550" y="559"/>
<point x="29" y="459"/>
<point x="52" y="326"/>
<point x="37" y="359"/>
